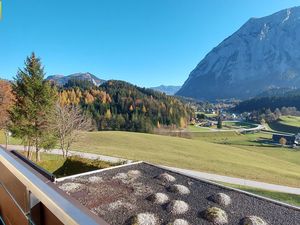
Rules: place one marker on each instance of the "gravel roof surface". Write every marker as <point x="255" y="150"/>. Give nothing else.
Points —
<point x="118" y="195"/>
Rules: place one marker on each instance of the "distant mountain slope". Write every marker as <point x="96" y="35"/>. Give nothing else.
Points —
<point x="169" y="90"/>
<point x="278" y="92"/>
<point x="61" y="79"/>
<point x="289" y="99"/>
<point x="262" y="54"/>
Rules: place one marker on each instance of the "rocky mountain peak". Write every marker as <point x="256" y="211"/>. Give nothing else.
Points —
<point x="263" y="53"/>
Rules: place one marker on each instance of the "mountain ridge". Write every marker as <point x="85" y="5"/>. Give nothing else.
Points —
<point x="62" y="79"/>
<point x="260" y="55"/>
<point x="167" y="89"/>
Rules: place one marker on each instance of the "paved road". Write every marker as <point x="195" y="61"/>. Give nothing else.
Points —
<point x="73" y="153"/>
<point x="197" y="174"/>
<point x="238" y="181"/>
<point x="259" y="127"/>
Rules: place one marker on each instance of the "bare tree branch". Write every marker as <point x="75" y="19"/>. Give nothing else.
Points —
<point x="69" y="121"/>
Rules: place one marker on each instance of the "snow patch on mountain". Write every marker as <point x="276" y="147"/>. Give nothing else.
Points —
<point x="288" y="13"/>
<point x="62" y="80"/>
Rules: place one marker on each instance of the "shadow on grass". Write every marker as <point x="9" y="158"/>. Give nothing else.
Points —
<point x="76" y="165"/>
<point x="284" y="197"/>
<point x="264" y="141"/>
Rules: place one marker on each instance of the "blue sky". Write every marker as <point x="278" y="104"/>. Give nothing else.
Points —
<point x="145" y="42"/>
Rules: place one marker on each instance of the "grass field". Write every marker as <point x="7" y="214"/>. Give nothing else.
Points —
<point x="230" y="137"/>
<point x="234" y="138"/>
<point x="236" y="158"/>
<point x="288" y="124"/>
<point x="192" y="128"/>
<point x="61" y="167"/>
<point x="290" y="120"/>
<point x="11" y="140"/>
<point x="237" y="125"/>
<point x="227" y="125"/>
<point x="273" y="165"/>
<point x="210" y="115"/>
<point x="279" y="196"/>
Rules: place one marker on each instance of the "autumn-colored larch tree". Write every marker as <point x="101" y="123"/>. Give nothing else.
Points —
<point x="6" y="101"/>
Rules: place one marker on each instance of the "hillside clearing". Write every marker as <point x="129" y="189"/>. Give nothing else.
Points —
<point x="290" y="120"/>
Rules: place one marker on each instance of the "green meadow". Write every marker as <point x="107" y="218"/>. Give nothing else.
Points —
<point x="266" y="164"/>
<point x="238" y="159"/>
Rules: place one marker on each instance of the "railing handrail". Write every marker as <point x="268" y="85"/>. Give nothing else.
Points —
<point x="60" y="206"/>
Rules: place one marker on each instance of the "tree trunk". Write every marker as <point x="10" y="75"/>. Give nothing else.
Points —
<point x="37" y="153"/>
<point x="30" y="152"/>
<point x="26" y="148"/>
<point x="6" y="139"/>
<point x="39" y="156"/>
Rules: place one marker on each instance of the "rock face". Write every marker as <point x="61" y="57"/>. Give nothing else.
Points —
<point x="264" y="53"/>
<point x="61" y="79"/>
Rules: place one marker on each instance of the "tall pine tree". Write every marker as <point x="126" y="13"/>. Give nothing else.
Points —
<point x="34" y="105"/>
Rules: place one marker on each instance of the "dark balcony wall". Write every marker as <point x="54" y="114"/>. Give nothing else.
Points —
<point x="14" y="187"/>
<point x="41" y="215"/>
<point x="9" y="211"/>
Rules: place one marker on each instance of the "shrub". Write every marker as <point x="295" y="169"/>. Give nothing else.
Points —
<point x="253" y="220"/>
<point x="216" y="216"/>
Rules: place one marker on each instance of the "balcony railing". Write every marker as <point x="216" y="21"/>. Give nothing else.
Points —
<point x="27" y="197"/>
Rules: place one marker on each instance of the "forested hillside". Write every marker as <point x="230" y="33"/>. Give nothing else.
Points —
<point x="117" y="105"/>
<point x="291" y="99"/>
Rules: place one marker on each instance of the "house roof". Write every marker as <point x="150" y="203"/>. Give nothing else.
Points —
<point x="141" y="193"/>
<point x="284" y="135"/>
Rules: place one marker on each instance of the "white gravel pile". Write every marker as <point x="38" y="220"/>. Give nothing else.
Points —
<point x="177" y="207"/>
<point x="145" y="219"/>
<point x="71" y="187"/>
<point x="165" y="177"/>
<point x="216" y="215"/>
<point x="134" y="173"/>
<point x="180" y="189"/>
<point x="179" y="222"/>
<point x="95" y="179"/>
<point x="131" y="175"/>
<point x="121" y="176"/>
<point x="221" y="199"/>
<point x="159" y="198"/>
<point x="120" y="204"/>
<point x="253" y="220"/>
